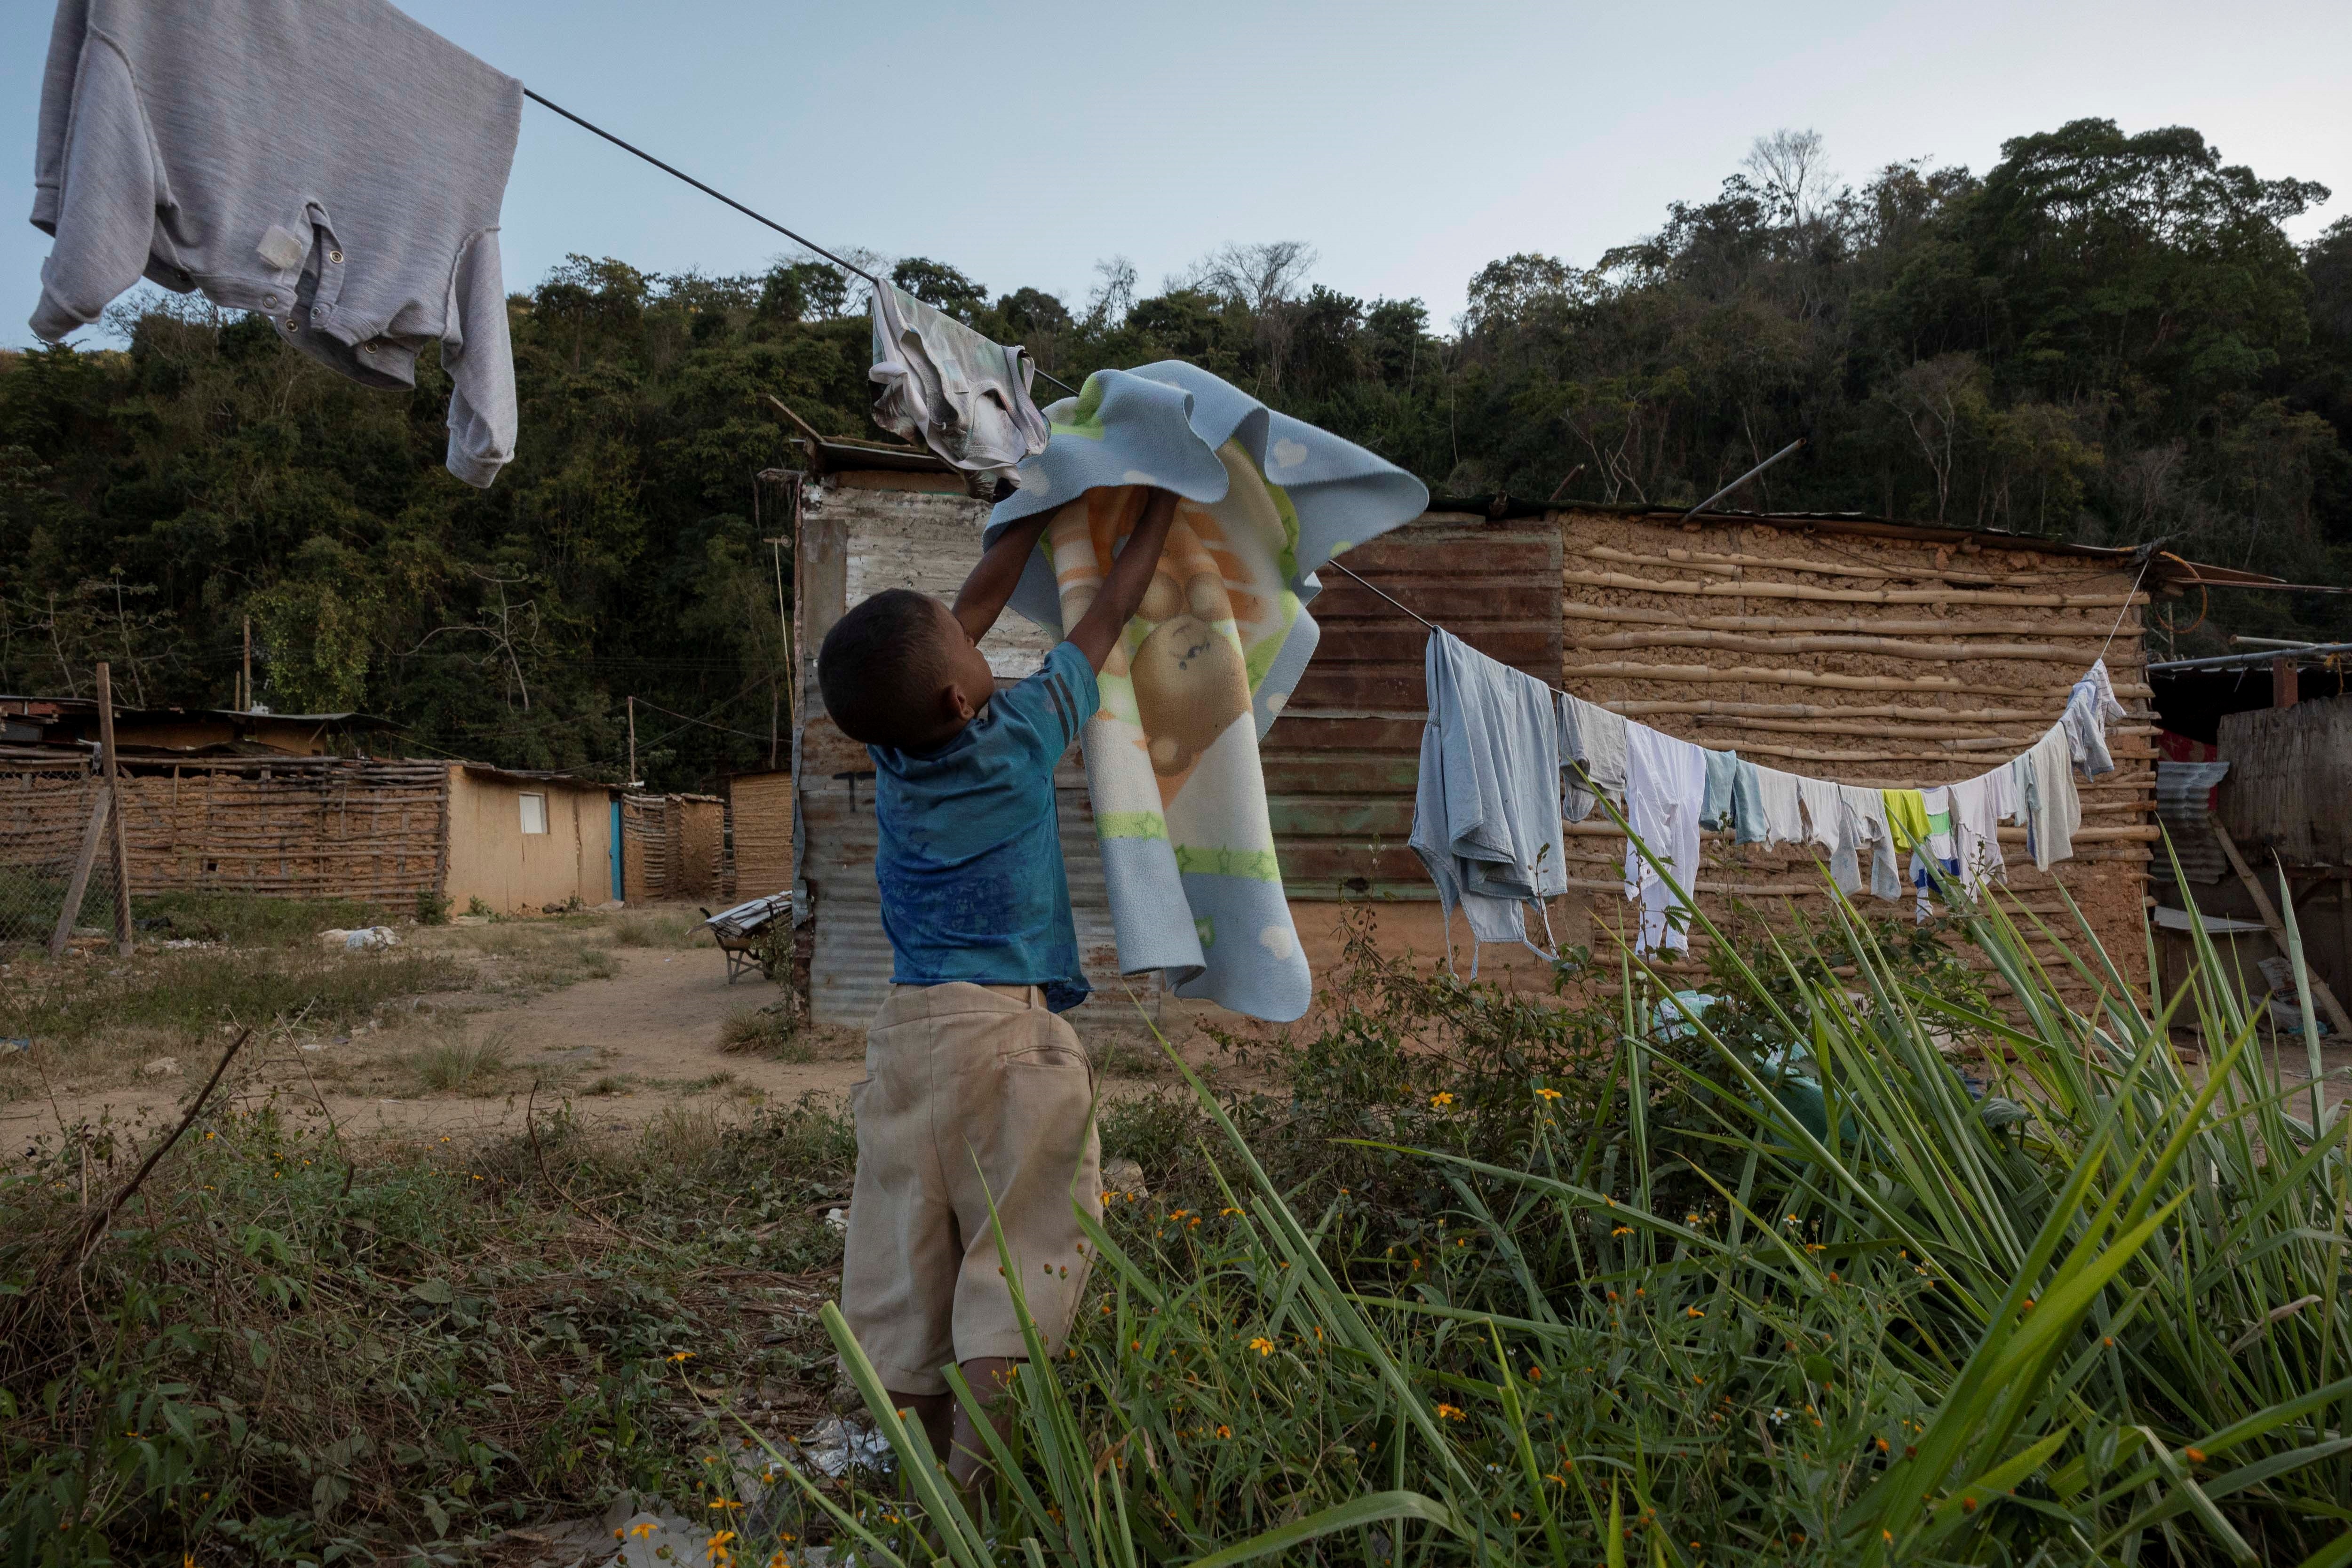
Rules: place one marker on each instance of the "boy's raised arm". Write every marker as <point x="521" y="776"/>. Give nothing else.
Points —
<point x="981" y="598"/>
<point x="1097" y="630"/>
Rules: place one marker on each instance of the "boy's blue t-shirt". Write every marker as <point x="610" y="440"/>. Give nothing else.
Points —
<point x="969" y="857"/>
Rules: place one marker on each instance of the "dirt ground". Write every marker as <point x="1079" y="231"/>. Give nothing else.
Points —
<point x="553" y="1015"/>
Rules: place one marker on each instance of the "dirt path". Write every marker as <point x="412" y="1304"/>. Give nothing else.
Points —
<point x="646" y="1034"/>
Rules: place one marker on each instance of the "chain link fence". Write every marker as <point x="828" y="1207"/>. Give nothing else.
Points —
<point x="45" y="814"/>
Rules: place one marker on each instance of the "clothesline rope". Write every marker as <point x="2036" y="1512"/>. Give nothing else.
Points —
<point x="798" y="239"/>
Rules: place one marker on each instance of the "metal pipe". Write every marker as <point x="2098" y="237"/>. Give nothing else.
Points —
<point x="2246" y="660"/>
<point x="2296" y="646"/>
<point x="1743" y="479"/>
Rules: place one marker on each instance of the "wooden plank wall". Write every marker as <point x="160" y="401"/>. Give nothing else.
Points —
<point x="296" y="827"/>
<point x="1866" y="661"/>
<point x="2290" y="782"/>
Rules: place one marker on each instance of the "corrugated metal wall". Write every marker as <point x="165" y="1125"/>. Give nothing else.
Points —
<point x="859" y="534"/>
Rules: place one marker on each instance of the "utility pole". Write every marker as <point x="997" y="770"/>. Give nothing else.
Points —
<point x="245" y="684"/>
<point x="633" y="742"/>
<point x="114" y="793"/>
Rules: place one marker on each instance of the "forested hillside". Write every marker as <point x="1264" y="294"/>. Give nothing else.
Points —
<point x="2104" y="337"/>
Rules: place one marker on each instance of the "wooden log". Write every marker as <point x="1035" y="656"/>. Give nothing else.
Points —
<point x="1749" y="675"/>
<point x="2269" y="913"/>
<point x="1642" y="616"/>
<point x="1641" y="708"/>
<point x="1718" y="565"/>
<point x="1940" y="572"/>
<point x="1896" y="648"/>
<point x="1896" y="728"/>
<point x="1619" y="580"/>
<point x="108" y="760"/>
<point x="92" y="837"/>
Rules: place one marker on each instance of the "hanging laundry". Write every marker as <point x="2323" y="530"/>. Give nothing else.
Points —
<point x="1976" y="836"/>
<point x="1934" y="851"/>
<point x="1872" y="832"/>
<point x="953" y="390"/>
<point x="1601" y="736"/>
<point x="1829" y="824"/>
<point x="1907" y="815"/>
<point x="1722" y="769"/>
<point x="1486" y="813"/>
<point x="1747" y="805"/>
<point x="2053" y="810"/>
<point x="2090" y="705"/>
<point x="1202" y="671"/>
<point x="1577" y="798"/>
<point x="1779" y="817"/>
<point x="1666" y="786"/>
<point x="337" y="169"/>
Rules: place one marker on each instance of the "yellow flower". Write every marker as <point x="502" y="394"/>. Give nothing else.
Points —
<point x="681" y="1356"/>
<point x="1452" y="1413"/>
<point x="1441" y="1099"/>
<point x="1265" y="1347"/>
<point x="1548" y="1093"/>
<point x="1695" y="1313"/>
<point x="1225" y="1431"/>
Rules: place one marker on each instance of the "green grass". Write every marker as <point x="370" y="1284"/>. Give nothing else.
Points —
<point x="195" y="991"/>
<point x="461" y="1067"/>
<point x="1478" y="1279"/>
<point x="756" y="1032"/>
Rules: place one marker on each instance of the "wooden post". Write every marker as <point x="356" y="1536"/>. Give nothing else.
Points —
<point x="244" y="681"/>
<point x="633" y="742"/>
<point x="114" y="793"/>
<point x="2269" y="912"/>
<point x="2283" y="685"/>
<point x="91" y="837"/>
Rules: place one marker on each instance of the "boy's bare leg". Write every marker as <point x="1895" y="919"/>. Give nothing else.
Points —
<point x="935" y="1411"/>
<point x="990" y="1376"/>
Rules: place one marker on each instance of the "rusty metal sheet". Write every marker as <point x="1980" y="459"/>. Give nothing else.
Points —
<point x="856" y="541"/>
<point x="1342" y="760"/>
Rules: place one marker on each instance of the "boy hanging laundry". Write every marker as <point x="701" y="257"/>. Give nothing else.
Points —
<point x="976" y="1089"/>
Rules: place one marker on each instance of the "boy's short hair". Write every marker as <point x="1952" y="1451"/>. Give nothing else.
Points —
<point x="881" y="668"/>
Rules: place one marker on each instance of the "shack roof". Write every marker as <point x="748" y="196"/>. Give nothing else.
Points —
<point x="535" y="776"/>
<point x="834" y="454"/>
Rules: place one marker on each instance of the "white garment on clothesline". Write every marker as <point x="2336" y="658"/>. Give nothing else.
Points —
<point x="1666" y="784"/>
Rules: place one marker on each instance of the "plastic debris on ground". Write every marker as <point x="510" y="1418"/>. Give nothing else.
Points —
<point x="369" y="939"/>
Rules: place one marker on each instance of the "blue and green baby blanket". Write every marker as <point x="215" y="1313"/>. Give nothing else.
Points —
<point x="1204" y="668"/>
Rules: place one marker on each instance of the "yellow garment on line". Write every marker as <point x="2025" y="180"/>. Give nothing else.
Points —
<point x="1906" y="816"/>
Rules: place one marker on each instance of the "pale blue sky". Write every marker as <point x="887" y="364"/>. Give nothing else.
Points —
<point x="1408" y="144"/>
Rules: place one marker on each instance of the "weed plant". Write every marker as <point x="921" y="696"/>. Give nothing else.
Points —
<point x="2104" y="1321"/>
<point x="1488" y="1280"/>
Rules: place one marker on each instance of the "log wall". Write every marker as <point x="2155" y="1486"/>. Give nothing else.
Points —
<point x="1867" y="660"/>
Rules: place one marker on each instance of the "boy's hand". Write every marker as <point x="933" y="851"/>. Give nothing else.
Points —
<point x="1097" y="630"/>
<point x="981" y="598"/>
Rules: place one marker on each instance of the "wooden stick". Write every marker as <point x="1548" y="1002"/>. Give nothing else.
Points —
<point x="1850" y="595"/>
<point x="98" y="1222"/>
<point x="114" y="788"/>
<point x="1642" y="709"/>
<point x="2269" y="912"/>
<point x="101" y="807"/>
<point x="1750" y="675"/>
<point x="1637" y="615"/>
<point x="1718" y="564"/>
<point x="1898" y="648"/>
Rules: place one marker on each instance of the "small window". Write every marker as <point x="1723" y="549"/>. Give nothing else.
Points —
<point x="534" y="814"/>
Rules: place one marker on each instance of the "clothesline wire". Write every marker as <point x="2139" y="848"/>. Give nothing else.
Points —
<point x="798" y="239"/>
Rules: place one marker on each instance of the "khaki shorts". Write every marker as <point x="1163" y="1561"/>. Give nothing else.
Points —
<point x="972" y="1092"/>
